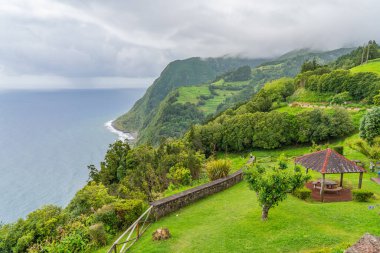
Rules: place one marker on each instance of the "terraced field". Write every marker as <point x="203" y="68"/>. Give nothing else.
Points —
<point x="206" y="100"/>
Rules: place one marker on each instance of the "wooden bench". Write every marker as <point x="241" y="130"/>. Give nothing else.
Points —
<point x="337" y="189"/>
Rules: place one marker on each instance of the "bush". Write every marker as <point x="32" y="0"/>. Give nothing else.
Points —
<point x="218" y="169"/>
<point x="341" y="98"/>
<point x="74" y="242"/>
<point x="98" y="234"/>
<point x="89" y="198"/>
<point x="338" y="149"/>
<point x="302" y="193"/>
<point x="127" y="211"/>
<point x="362" y="195"/>
<point x="180" y="175"/>
<point x="107" y="215"/>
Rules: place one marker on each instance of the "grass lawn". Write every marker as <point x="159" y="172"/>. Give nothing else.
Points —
<point x="371" y="66"/>
<point x="230" y="221"/>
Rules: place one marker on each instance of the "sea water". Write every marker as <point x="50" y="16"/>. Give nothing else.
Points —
<point x="47" y="139"/>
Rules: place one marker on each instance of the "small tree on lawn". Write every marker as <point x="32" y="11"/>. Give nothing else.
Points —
<point x="273" y="185"/>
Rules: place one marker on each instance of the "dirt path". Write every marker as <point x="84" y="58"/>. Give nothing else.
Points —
<point x="309" y="105"/>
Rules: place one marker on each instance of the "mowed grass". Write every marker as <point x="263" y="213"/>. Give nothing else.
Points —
<point x="230" y="221"/>
<point x="371" y="66"/>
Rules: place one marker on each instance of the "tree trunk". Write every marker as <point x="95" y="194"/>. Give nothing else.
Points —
<point x="264" y="215"/>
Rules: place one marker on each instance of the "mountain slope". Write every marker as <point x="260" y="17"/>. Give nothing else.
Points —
<point x="178" y="73"/>
<point x="156" y="116"/>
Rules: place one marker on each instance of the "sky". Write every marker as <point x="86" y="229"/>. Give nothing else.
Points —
<point x="47" y="44"/>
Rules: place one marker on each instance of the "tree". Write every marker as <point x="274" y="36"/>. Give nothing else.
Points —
<point x="310" y="65"/>
<point x="370" y="125"/>
<point x="261" y="102"/>
<point x="376" y="99"/>
<point x="113" y="169"/>
<point x="272" y="186"/>
<point x="372" y="151"/>
<point x="89" y="198"/>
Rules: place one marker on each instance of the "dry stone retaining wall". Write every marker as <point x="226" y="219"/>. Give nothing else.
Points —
<point x="172" y="203"/>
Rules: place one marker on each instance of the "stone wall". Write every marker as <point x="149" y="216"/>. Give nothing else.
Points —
<point x="172" y="203"/>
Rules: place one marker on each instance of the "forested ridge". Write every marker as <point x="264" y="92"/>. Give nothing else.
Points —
<point x="163" y="115"/>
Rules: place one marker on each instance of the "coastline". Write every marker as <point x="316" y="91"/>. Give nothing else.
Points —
<point x="121" y="135"/>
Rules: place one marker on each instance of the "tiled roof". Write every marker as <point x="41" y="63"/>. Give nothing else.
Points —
<point x="328" y="161"/>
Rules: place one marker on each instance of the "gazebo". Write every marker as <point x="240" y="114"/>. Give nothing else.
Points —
<point x="329" y="161"/>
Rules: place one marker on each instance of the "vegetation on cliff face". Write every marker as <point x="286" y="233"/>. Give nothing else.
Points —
<point x="114" y="197"/>
<point x="178" y="73"/>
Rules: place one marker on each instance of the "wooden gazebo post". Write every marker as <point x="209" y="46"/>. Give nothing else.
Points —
<point x="360" y="180"/>
<point x="341" y="180"/>
<point x="322" y="192"/>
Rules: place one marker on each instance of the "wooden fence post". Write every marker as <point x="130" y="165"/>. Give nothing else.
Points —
<point x="137" y="231"/>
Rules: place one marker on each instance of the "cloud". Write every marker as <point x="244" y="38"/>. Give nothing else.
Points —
<point x="61" y="42"/>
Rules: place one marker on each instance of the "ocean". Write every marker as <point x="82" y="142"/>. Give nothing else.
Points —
<point x="47" y="139"/>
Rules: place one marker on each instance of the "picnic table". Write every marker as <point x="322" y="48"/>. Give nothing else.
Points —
<point x="330" y="185"/>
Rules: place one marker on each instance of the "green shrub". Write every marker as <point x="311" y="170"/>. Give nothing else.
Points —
<point x="23" y="242"/>
<point x="127" y="211"/>
<point x="282" y="162"/>
<point x="362" y="195"/>
<point x="98" y="234"/>
<point x="338" y="149"/>
<point x="341" y="98"/>
<point x="218" y="169"/>
<point x="107" y="215"/>
<point x="179" y="175"/>
<point x="302" y="193"/>
<point x="89" y="198"/>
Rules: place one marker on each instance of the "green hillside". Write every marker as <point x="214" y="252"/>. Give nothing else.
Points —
<point x="186" y="106"/>
<point x="372" y="66"/>
<point x="161" y="117"/>
<point x="178" y="73"/>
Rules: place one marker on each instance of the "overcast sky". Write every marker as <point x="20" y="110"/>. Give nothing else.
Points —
<point x="84" y="44"/>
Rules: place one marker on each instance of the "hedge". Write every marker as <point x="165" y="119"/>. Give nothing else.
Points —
<point x="362" y="195"/>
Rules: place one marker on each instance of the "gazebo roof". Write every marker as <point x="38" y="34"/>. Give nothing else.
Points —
<point x="328" y="161"/>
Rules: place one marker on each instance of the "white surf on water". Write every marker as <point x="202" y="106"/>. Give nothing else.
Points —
<point x="121" y="135"/>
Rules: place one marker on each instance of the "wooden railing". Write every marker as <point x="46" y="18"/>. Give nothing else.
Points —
<point x="126" y="240"/>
